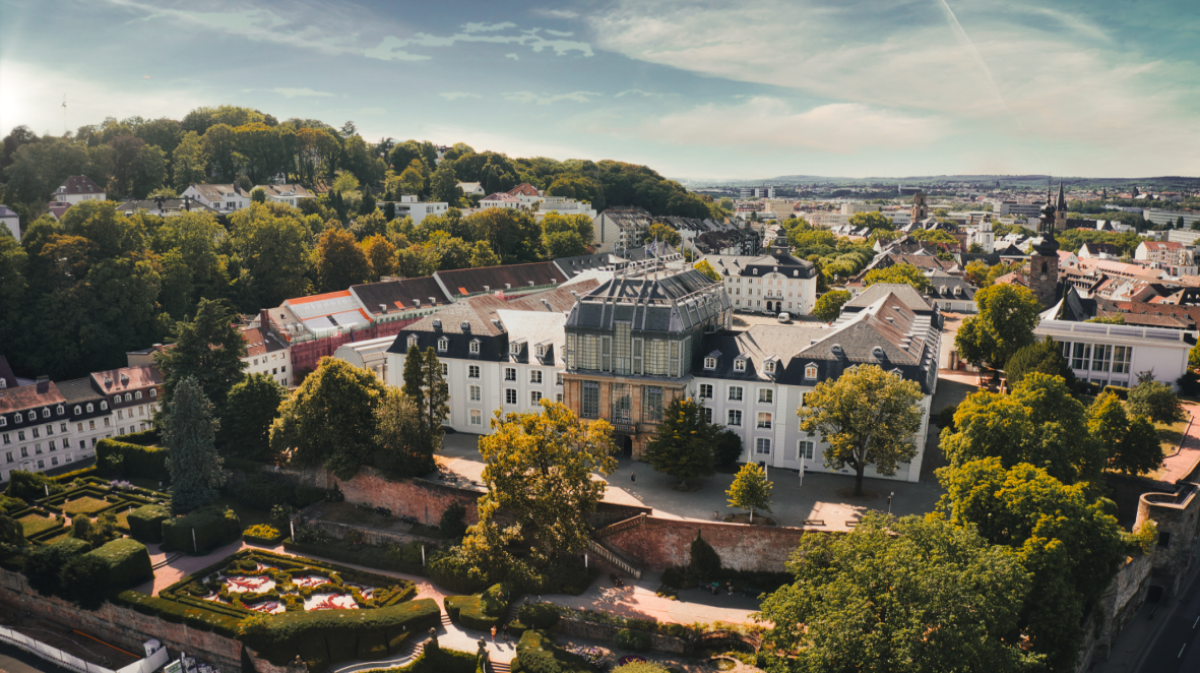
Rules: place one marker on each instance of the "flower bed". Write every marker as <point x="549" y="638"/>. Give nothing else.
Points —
<point x="263" y="534"/>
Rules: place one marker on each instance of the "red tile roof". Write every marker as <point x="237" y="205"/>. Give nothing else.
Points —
<point x="28" y="397"/>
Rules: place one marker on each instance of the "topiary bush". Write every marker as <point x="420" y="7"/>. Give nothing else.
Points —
<point x="31" y="485"/>
<point x="128" y="563"/>
<point x="454" y="521"/>
<point x="638" y="641"/>
<point x="132" y="460"/>
<point x="145" y="522"/>
<point x="84" y="580"/>
<point x="43" y="565"/>
<point x="538" y="653"/>
<point x="213" y="527"/>
<point x="263" y="533"/>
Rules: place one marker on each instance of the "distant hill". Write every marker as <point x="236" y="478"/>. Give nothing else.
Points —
<point x="1166" y="183"/>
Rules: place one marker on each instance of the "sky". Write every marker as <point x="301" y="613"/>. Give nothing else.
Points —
<point x="700" y="90"/>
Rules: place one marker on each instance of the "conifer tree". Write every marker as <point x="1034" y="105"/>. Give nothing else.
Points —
<point x="683" y="447"/>
<point x="189" y="434"/>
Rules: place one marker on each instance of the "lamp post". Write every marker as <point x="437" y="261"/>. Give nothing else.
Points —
<point x="890" y="495"/>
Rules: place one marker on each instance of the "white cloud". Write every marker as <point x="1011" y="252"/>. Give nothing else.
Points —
<point x="839" y="128"/>
<point x="388" y="49"/>
<point x="639" y="92"/>
<point x="455" y="95"/>
<point x="556" y="13"/>
<point x="512" y="56"/>
<point x="1063" y="83"/>
<point x="547" y="99"/>
<point x="303" y="92"/>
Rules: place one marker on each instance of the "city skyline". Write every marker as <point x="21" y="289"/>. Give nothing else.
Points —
<point x="694" y="90"/>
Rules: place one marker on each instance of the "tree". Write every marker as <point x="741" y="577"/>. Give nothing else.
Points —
<point x="705" y="268"/>
<point x="404" y="447"/>
<point x="900" y="273"/>
<point x="84" y="578"/>
<point x="682" y="447"/>
<point x="1139" y="451"/>
<point x="903" y="596"/>
<point x="482" y="255"/>
<point x="867" y="416"/>
<point x="871" y="220"/>
<point x="340" y="262"/>
<point x="444" y="185"/>
<point x="512" y="233"/>
<point x="381" y="256"/>
<point x="727" y="448"/>
<point x="662" y="233"/>
<point x="12" y="533"/>
<point x="1045" y="357"/>
<point x="258" y="195"/>
<point x="189" y="433"/>
<point x="750" y="490"/>
<point x="208" y="348"/>
<point x="1156" y="401"/>
<point x="1071" y="556"/>
<point x="829" y="306"/>
<point x="251" y="407"/>
<point x="269" y="248"/>
<point x="188" y="161"/>
<point x="538" y="469"/>
<point x="1193" y="354"/>
<point x="1004" y="325"/>
<point x="329" y="421"/>
<point x="412" y="181"/>
<point x="564" y="244"/>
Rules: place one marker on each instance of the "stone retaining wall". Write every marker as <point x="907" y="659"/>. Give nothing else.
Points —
<point x="661" y="543"/>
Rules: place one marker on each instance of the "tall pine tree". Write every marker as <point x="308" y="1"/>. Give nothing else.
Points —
<point x="189" y="433"/>
<point x="209" y="349"/>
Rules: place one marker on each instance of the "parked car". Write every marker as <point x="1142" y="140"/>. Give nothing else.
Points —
<point x="785" y="317"/>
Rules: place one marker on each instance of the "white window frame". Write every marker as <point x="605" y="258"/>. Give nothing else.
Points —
<point x="710" y="363"/>
<point x="734" y="418"/>
<point x="739" y="365"/>
<point x="738" y="390"/>
<point x="766" y="396"/>
<point x="443" y="345"/>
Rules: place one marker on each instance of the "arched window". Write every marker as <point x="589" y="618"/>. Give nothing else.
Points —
<point x="90" y="408"/>
<point x="103" y="406"/>
<point x="1043" y="267"/>
<point x="116" y="399"/>
<point x="61" y="410"/>
<point x="137" y="395"/>
<point x="32" y="415"/>
<point x="45" y="412"/>
<point x="78" y="410"/>
<point x="154" y="392"/>
<point x="128" y="397"/>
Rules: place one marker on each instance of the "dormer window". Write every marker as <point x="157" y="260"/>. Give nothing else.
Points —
<point x="154" y="392"/>
<point x="3" y="421"/>
<point x="78" y="410"/>
<point x="475" y="347"/>
<point x="541" y="351"/>
<point x="443" y="345"/>
<point x="739" y="365"/>
<point x="128" y="397"/>
<point x="810" y="372"/>
<point x="755" y="272"/>
<point x="515" y="348"/>
<point x="137" y="395"/>
<point x="103" y="406"/>
<point x="710" y="363"/>
<point x="769" y="366"/>
<point x="90" y="408"/>
<point x="412" y="340"/>
<point x="45" y="412"/>
<point x="33" y="416"/>
<point x="61" y="410"/>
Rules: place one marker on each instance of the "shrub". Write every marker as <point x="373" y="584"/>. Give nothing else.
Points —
<point x="567" y="576"/>
<point x="135" y="460"/>
<point x="454" y="573"/>
<point x="84" y="580"/>
<point x="128" y="563"/>
<point x="31" y="485"/>
<point x="143" y="438"/>
<point x="389" y="558"/>
<point x="454" y="521"/>
<point x="145" y="522"/>
<point x="455" y="604"/>
<point x="641" y="667"/>
<point x="638" y="641"/>
<point x="538" y="653"/>
<point x="213" y="528"/>
<point x="43" y="565"/>
<point x="264" y="491"/>
<point x="1120" y="391"/>
<point x="538" y="615"/>
<point x="328" y="636"/>
<point x="704" y="564"/>
<point x="264" y="533"/>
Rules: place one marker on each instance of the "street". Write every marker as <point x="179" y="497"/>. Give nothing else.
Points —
<point x="1178" y="646"/>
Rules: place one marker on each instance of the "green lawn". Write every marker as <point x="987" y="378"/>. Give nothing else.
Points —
<point x="1169" y="435"/>
<point x="36" y="523"/>
<point x="85" y="505"/>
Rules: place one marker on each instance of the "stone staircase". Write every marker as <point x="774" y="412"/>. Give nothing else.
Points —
<point x="614" y="557"/>
<point x="624" y="524"/>
<point x="446" y="620"/>
<point x="500" y="666"/>
<point x="406" y="657"/>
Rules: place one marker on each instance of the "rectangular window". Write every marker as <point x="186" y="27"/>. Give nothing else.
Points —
<point x="510" y="374"/>
<point x="535" y="376"/>
<point x="764" y="420"/>
<point x="591" y="400"/>
<point x="621" y="403"/>
<point x="50" y="430"/>
<point x="7" y="440"/>
<point x="54" y="447"/>
<point x="41" y="464"/>
<point x="535" y="398"/>
<point x="735" y="393"/>
<point x="510" y="395"/>
<point x="606" y="354"/>
<point x="762" y="446"/>
<point x="706" y="391"/>
<point x="107" y="422"/>
<point x="120" y="415"/>
<point x="805" y="451"/>
<point x="652" y="404"/>
<point x="20" y="435"/>
<point x="473" y="372"/>
<point x="1121" y="358"/>
<point x="638" y="360"/>
<point x="476" y="417"/>
<point x="735" y="417"/>
<point x="570" y="351"/>
<point x="24" y="452"/>
<point x="37" y="448"/>
<point x="35" y="433"/>
<point x="558" y="379"/>
<point x="9" y="456"/>
<point x="476" y="393"/>
<point x="1080" y="356"/>
<point x="558" y="397"/>
<point x="766" y="395"/>
<point x="91" y="425"/>
<point x="78" y="427"/>
<point x="54" y="461"/>
<point x="82" y="444"/>
<point x="445" y="370"/>
<point x="1101" y="358"/>
<point x="707" y="415"/>
<point x="274" y="371"/>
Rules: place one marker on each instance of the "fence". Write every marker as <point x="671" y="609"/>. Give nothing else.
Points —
<point x="74" y="663"/>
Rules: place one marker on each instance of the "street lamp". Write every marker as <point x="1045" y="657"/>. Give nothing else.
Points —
<point x="890" y="495"/>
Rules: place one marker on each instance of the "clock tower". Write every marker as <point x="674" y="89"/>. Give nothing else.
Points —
<point x="1043" y="263"/>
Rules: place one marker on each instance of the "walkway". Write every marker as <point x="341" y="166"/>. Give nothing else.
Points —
<point x="1184" y="461"/>
<point x="637" y="600"/>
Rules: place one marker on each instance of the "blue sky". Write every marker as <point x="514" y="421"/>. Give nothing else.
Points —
<point x="702" y="90"/>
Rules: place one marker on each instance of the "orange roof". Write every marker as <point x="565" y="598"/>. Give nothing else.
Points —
<point x="319" y="297"/>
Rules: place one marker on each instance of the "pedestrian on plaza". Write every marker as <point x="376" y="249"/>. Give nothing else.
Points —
<point x="729" y="586"/>
<point x="493" y="634"/>
<point x="504" y="632"/>
<point x="633" y="477"/>
<point x="716" y="587"/>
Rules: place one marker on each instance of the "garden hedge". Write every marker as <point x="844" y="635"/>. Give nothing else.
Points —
<point x="638" y="641"/>
<point x="144" y="438"/>
<point x="145" y="462"/>
<point x="31" y="485"/>
<point x="214" y="527"/>
<point x="538" y="615"/>
<point x="128" y="562"/>
<point x="146" y="522"/>
<point x="364" y="554"/>
<point x="328" y="636"/>
<point x="538" y="653"/>
<point x="203" y="618"/>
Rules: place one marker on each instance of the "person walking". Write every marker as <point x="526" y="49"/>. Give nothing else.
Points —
<point x="633" y="477"/>
<point x="493" y="634"/>
<point x="729" y="586"/>
<point x="504" y="632"/>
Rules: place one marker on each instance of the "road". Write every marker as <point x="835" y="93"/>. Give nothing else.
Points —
<point x="1178" y="645"/>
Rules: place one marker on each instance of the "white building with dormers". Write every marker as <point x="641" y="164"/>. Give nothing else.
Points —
<point x="35" y="433"/>
<point x="77" y="189"/>
<point x="770" y="283"/>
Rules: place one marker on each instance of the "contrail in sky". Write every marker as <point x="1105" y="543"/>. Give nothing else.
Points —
<point x="978" y="59"/>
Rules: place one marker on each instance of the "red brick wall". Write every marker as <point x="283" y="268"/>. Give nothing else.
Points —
<point x="659" y="543"/>
<point x="306" y="355"/>
<point x="418" y="498"/>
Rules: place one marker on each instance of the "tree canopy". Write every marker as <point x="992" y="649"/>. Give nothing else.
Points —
<point x="209" y="349"/>
<point x="899" y="273"/>
<point x="189" y="433"/>
<point x="829" y="306"/>
<point x="1004" y="325"/>
<point x="682" y="447"/>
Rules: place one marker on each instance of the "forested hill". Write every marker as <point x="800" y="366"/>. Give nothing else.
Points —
<point x="140" y="158"/>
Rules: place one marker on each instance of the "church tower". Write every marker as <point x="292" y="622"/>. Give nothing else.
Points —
<point x="920" y="209"/>
<point x="1043" y="263"/>
<point x="1060" y="209"/>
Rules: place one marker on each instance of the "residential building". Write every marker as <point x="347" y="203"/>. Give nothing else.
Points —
<point x="10" y="219"/>
<point x="471" y="188"/>
<point x="631" y="343"/>
<point x="292" y="195"/>
<point x="752" y="382"/>
<point x="409" y="206"/>
<point x="133" y="396"/>
<point x="165" y="207"/>
<point x="267" y="350"/>
<point x="91" y="420"/>
<point x="500" y="200"/>
<point x="35" y="434"/>
<point x="57" y="209"/>
<point x="391" y="300"/>
<point x="1171" y="217"/>
<point x="224" y="199"/>
<point x="618" y="229"/>
<point x="772" y="283"/>
<point x="77" y="189"/>
<point x="1098" y="251"/>
<point x="507" y="280"/>
<point x="564" y="206"/>
<point x="371" y="355"/>
<point x="1167" y="254"/>
<point x="952" y="293"/>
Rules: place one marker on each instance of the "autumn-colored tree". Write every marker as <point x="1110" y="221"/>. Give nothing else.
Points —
<point x="381" y="256"/>
<point x="340" y="262"/>
<point x="829" y="306"/>
<point x="900" y="273"/>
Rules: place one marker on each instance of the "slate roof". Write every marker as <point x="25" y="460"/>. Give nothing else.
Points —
<point x="5" y="211"/>
<point x="516" y="277"/>
<point x="81" y="392"/>
<point x="285" y="190"/>
<point x="79" y="184"/>
<point x="530" y="329"/>
<point x="218" y="192"/>
<point x="6" y="373"/>
<point x="903" y="292"/>
<point x="944" y="286"/>
<point x="165" y="206"/>
<point x="260" y="340"/>
<point x="746" y="265"/>
<point x="401" y="294"/>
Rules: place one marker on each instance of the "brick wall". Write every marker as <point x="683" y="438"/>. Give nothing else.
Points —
<point x="123" y="627"/>
<point x="418" y="498"/>
<point x="307" y="354"/>
<point x="659" y="543"/>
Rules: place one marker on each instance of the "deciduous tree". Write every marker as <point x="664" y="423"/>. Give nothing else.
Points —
<point x="189" y="433"/>
<point x="269" y="249"/>
<point x="705" y="268"/>
<point x="1045" y="357"/>
<point x="381" y="256"/>
<point x="340" y="262"/>
<point x="208" y="349"/>
<point x="750" y="490"/>
<point x="829" y="306"/>
<point x="251" y="408"/>
<point x="403" y="444"/>
<point x="1004" y="325"/>
<point x="1156" y="401"/>
<point x="867" y="416"/>
<point x="900" y="273"/>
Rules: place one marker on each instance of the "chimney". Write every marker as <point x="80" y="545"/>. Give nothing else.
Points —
<point x="43" y="384"/>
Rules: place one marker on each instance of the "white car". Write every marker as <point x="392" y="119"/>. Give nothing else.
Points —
<point x="784" y="317"/>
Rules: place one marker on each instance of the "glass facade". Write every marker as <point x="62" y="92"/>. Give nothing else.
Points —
<point x="591" y="400"/>
<point x="652" y="404"/>
<point x="621" y="404"/>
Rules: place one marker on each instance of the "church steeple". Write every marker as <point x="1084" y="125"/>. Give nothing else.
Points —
<point x="1061" y="204"/>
